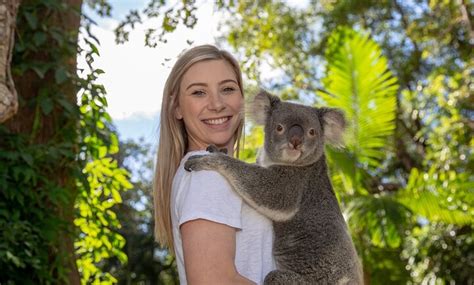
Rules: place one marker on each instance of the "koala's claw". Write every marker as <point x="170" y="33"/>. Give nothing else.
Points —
<point x="191" y="163"/>
<point x="187" y="167"/>
<point x="203" y="162"/>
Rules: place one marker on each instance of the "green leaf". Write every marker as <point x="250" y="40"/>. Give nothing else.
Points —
<point x="67" y="105"/>
<point x="27" y="157"/>
<point x="39" y="38"/>
<point x="60" y="75"/>
<point x="40" y="69"/>
<point x="31" y="20"/>
<point x="102" y="151"/>
<point x="15" y="259"/>
<point x="46" y="105"/>
<point x="116" y="196"/>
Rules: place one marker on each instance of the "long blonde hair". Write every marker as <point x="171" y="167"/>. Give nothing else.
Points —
<point x="172" y="143"/>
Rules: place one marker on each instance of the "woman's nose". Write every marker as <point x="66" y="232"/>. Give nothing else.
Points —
<point x="215" y="102"/>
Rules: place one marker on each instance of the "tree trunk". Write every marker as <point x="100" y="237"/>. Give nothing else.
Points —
<point x="8" y="95"/>
<point x="46" y="131"/>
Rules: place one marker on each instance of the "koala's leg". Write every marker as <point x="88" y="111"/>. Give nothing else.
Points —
<point x="270" y="193"/>
<point x="284" y="277"/>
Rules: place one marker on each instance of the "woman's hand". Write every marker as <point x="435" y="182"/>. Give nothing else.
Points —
<point x="209" y="253"/>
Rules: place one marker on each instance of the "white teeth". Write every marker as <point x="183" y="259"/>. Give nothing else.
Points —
<point x="217" y="121"/>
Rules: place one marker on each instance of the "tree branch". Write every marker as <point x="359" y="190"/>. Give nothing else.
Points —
<point x="467" y="22"/>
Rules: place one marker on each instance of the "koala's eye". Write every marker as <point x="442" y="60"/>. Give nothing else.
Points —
<point x="279" y="128"/>
<point x="312" y="132"/>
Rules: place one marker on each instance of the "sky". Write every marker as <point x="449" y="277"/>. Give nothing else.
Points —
<point x="135" y="75"/>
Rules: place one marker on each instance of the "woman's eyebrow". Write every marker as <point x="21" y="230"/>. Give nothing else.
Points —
<point x="196" y="84"/>
<point x="228" y="80"/>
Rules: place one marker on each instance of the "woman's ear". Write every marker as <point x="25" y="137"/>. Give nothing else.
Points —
<point x="177" y="113"/>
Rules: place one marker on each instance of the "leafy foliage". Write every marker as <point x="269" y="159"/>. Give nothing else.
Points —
<point x="382" y="219"/>
<point x="95" y="219"/>
<point x="170" y="17"/>
<point x="443" y="197"/>
<point x="358" y="82"/>
<point x="35" y="190"/>
<point x="147" y="262"/>
<point x="43" y="176"/>
<point x="439" y="252"/>
<point x="102" y="180"/>
<point x="29" y="226"/>
<point x="275" y="33"/>
<point x="253" y="139"/>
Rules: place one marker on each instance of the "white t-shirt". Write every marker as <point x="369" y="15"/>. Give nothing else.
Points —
<point x="207" y="195"/>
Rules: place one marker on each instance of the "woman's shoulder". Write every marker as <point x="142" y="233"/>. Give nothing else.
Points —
<point x="182" y="173"/>
<point x="204" y="194"/>
<point x="204" y="180"/>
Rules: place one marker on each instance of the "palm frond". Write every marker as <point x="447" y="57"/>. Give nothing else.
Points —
<point x="448" y="199"/>
<point x="381" y="218"/>
<point x="359" y="82"/>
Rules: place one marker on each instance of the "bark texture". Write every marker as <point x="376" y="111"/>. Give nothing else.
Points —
<point x="8" y="95"/>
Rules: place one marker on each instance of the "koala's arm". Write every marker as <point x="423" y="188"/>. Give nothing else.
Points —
<point x="274" y="195"/>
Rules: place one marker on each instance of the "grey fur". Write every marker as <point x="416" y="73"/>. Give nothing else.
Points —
<point x="292" y="188"/>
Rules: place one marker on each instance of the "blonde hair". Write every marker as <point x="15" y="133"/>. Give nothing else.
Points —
<point x="172" y="143"/>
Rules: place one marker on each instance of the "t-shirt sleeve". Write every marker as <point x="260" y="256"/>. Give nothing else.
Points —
<point x="207" y="195"/>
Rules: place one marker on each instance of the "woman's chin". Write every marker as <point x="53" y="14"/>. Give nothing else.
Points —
<point x="221" y="140"/>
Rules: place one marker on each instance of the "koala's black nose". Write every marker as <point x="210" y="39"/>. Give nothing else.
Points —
<point x="295" y="135"/>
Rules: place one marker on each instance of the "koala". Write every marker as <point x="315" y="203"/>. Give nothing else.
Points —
<point x="290" y="185"/>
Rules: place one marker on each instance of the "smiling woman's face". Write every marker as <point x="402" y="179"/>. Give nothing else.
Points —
<point x="210" y="103"/>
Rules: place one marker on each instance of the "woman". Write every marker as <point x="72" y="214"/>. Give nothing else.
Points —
<point x="216" y="238"/>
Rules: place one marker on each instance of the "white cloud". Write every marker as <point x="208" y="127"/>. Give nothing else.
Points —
<point x="134" y="75"/>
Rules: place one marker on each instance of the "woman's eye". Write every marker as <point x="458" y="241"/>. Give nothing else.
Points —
<point x="198" y="92"/>
<point x="228" y="89"/>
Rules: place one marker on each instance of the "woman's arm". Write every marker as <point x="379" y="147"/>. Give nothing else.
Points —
<point x="209" y="253"/>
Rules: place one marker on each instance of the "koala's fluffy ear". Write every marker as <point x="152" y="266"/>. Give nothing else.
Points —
<point x="334" y="125"/>
<point x="261" y="106"/>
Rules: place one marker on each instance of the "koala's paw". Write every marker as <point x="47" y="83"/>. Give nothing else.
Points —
<point x="203" y="162"/>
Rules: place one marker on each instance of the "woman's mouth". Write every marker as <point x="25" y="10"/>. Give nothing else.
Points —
<point x="217" y="121"/>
